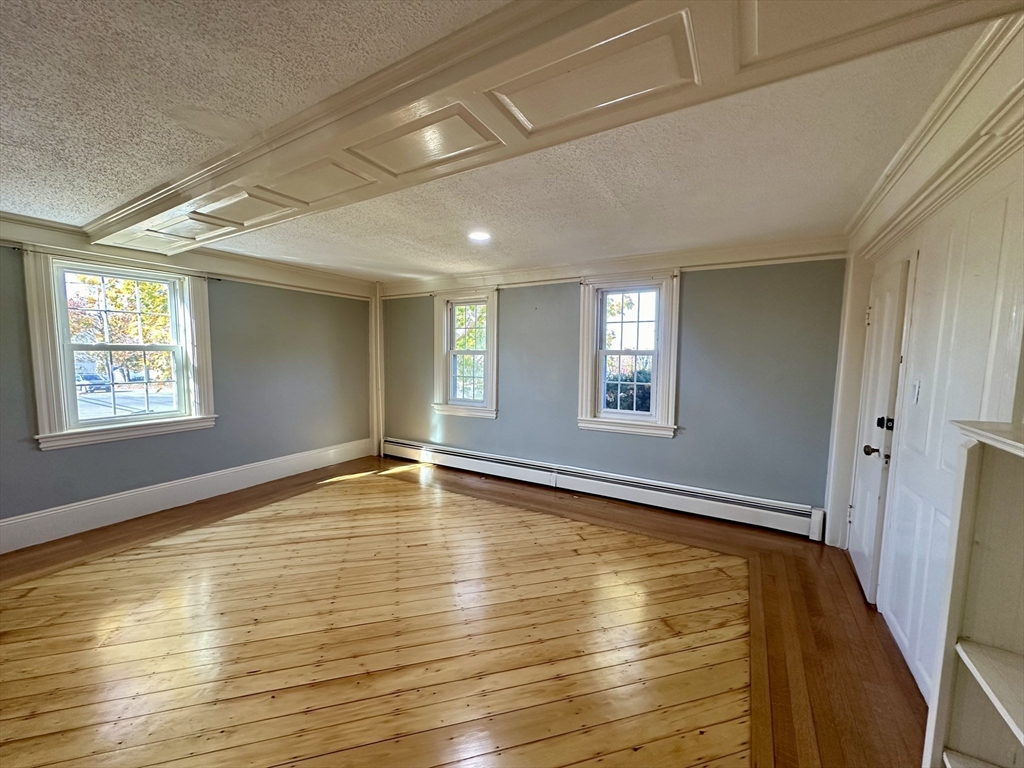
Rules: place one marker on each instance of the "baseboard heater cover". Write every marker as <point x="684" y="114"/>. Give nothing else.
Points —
<point x="801" y="519"/>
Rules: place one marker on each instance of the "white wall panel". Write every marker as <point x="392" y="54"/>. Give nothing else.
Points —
<point x="962" y="362"/>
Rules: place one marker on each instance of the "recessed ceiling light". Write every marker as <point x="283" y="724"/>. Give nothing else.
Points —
<point x="479" y="235"/>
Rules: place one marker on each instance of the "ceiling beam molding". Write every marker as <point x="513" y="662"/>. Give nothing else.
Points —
<point x="976" y="122"/>
<point x="736" y="255"/>
<point x="62" y="238"/>
<point x="492" y="30"/>
<point x="400" y="95"/>
<point x="528" y="76"/>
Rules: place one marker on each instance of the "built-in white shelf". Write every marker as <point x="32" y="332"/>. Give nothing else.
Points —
<point x="976" y="706"/>
<point x="1001" y="676"/>
<point x="956" y="760"/>
<point x="1008" y="437"/>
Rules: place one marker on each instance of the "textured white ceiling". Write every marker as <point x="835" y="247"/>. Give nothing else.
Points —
<point x="101" y="100"/>
<point x="791" y="159"/>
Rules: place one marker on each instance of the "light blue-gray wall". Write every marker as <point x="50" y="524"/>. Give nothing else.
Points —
<point x="758" y="348"/>
<point x="290" y="374"/>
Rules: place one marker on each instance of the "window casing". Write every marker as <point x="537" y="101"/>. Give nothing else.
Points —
<point x="465" y="354"/>
<point x="628" y="331"/>
<point x="118" y="351"/>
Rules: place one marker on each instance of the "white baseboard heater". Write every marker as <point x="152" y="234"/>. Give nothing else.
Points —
<point x="781" y="515"/>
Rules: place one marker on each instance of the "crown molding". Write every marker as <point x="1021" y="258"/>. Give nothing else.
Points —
<point x="739" y="254"/>
<point x="25" y="230"/>
<point x="986" y="151"/>
<point x="971" y="69"/>
<point x="975" y="123"/>
<point x="20" y="230"/>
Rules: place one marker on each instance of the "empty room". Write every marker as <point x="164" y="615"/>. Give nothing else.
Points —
<point x="526" y="383"/>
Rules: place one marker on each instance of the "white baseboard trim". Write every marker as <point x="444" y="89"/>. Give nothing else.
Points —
<point x="70" y="519"/>
<point x="801" y="519"/>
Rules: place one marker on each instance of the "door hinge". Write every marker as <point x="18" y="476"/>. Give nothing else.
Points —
<point x="849" y="514"/>
<point x="867" y="316"/>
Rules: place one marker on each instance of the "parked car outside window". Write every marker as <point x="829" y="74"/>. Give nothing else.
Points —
<point x="91" y="382"/>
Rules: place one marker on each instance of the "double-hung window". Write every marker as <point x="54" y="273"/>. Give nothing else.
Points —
<point x="628" y="355"/>
<point x="118" y="351"/>
<point x="465" y="354"/>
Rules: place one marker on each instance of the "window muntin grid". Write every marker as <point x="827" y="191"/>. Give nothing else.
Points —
<point x="628" y="350"/>
<point x="467" y="350"/>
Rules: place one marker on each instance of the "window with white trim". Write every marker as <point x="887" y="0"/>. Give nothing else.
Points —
<point x="118" y="351"/>
<point x="628" y="355"/>
<point x="465" y="354"/>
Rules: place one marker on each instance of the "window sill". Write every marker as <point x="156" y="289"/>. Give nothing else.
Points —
<point x="649" y="428"/>
<point x="478" y="412"/>
<point x="75" y="437"/>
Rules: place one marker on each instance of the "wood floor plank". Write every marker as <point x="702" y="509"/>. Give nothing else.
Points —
<point x="889" y="688"/>
<point x="713" y="742"/>
<point x="37" y="561"/>
<point x="49" y="595"/>
<point x="807" y="748"/>
<point x="284" y="712"/>
<point x="475" y="591"/>
<point x="265" y="602"/>
<point x="436" y="635"/>
<point x="831" y="662"/>
<point x="388" y="614"/>
<point x="135" y="602"/>
<point x="478" y="731"/>
<point x="115" y="708"/>
<point x="618" y="740"/>
<point x="784" y="740"/>
<point x="214" y="642"/>
<point x="828" y="709"/>
<point x="549" y="617"/>
<point x="762" y="752"/>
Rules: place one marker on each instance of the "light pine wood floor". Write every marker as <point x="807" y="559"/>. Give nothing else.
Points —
<point x="379" y="622"/>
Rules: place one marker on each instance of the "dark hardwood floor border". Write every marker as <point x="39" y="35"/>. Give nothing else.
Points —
<point x="829" y="686"/>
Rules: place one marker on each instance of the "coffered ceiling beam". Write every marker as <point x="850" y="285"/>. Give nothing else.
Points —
<point x="526" y="77"/>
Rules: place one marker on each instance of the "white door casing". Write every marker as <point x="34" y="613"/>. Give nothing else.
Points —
<point x="961" y="362"/>
<point x="878" y="410"/>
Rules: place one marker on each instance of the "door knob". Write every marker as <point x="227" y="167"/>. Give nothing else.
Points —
<point x="868" y="450"/>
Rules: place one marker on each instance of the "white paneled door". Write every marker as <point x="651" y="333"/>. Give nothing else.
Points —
<point x="877" y="414"/>
<point x="961" y="362"/>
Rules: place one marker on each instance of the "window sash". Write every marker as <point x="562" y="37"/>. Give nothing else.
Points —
<point x="175" y="291"/>
<point x="454" y="355"/>
<point x="603" y="352"/>
<point x="602" y="376"/>
<point x="482" y="378"/>
<point x="179" y="355"/>
<point x="71" y="392"/>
